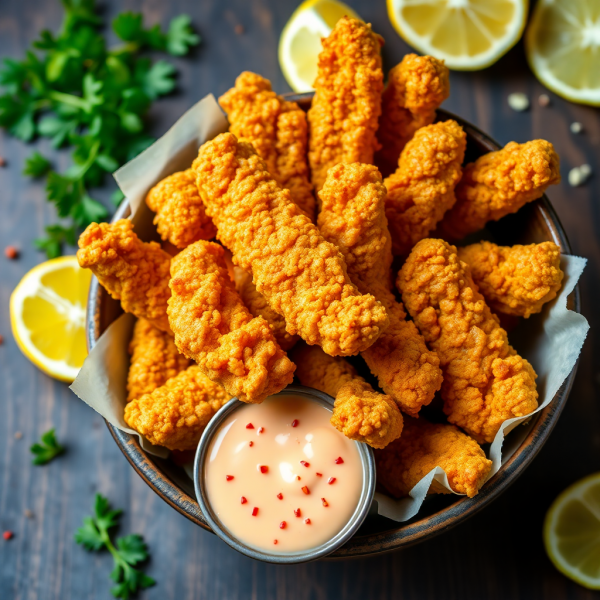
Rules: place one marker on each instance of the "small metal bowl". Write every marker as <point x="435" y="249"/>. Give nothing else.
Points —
<point x="365" y="500"/>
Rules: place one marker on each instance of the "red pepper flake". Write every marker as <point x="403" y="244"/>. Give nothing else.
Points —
<point x="2" y="161"/>
<point x="306" y="490"/>
<point x="263" y="468"/>
<point x="282" y="525"/>
<point x="307" y="521"/>
<point x="304" y="463"/>
<point x="280" y="496"/>
<point x="229" y="477"/>
<point x="249" y="426"/>
<point x="339" y="460"/>
<point x="295" y="423"/>
<point x="325" y="503"/>
<point x="239" y="30"/>
<point x="243" y="500"/>
<point x="1" y="340"/>
<point x="250" y="444"/>
<point x="275" y="542"/>
<point x="331" y="480"/>
<point x="297" y="512"/>
<point x="298" y="478"/>
<point x="11" y="252"/>
<point x="255" y="511"/>
<point x="7" y="535"/>
<point x="319" y="474"/>
<point x="260" y="430"/>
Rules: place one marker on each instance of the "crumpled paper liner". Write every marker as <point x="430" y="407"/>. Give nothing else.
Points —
<point x="551" y="341"/>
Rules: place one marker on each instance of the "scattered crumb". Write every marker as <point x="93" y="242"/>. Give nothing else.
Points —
<point x="544" y="100"/>
<point x="11" y="252"/>
<point x="2" y="162"/>
<point x="579" y="175"/>
<point x="28" y="513"/>
<point x="518" y="101"/>
<point x="576" y="127"/>
<point x="18" y="435"/>
<point x="1" y="340"/>
<point x="239" y="29"/>
<point x="7" y="535"/>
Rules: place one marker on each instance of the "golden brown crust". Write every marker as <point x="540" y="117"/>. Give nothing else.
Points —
<point x="485" y="380"/>
<point x="302" y="276"/>
<point x="424" y="446"/>
<point x="130" y="270"/>
<point x="515" y="280"/>
<point x="154" y="359"/>
<point x="180" y="216"/>
<point x="500" y="183"/>
<point x="278" y="131"/>
<point x="344" y="114"/>
<point x="175" y="414"/>
<point x="214" y="328"/>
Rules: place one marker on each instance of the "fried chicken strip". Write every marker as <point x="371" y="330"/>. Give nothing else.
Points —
<point x="154" y="359"/>
<point x="175" y="414"/>
<point x="344" y="114"/>
<point x="180" y="216"/>
<point x="213" y="327"/>
<point x="422" y="188"/>
<point x="353" y="217"/>
<point x="359" y="412"/>
<point x="515" y="280"/>
<point x="278" y="131"/>
<point x="424" y="446"/>
<point x="485" y="380"/>
<point x="130" y="270"/>
<point x="302" y="276"/>
<point x="416" y="88"/>
<point x="500" y="183"/>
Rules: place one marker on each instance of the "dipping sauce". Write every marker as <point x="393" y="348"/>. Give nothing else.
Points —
<point x="279" y="476"/>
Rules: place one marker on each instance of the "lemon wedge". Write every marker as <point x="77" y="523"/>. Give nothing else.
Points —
<point x="467" y="34"/>
<point x="300" y="42"/>
<point x="47" y="315"/>
<point x="563" y="48"/>
<point x="572" y="532"/>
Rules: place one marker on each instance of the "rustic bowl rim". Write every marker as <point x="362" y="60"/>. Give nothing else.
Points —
<point x="415" y="530"/>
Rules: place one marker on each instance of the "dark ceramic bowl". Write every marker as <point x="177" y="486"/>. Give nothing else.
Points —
<point x="535" y="223"/>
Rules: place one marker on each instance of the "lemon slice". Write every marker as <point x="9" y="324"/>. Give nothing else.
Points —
<point x="47" y="315"/>
<point x="563" y="48"/>
<point x="572" y="532"/>
<point x="467" y="34"/>
<point x="300" y="42"/>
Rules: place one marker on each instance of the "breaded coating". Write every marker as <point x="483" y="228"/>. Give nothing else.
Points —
<point x="278" y="131"/>
<point x="175" y="414"/>
<point x="180" y="215"/>
<point x="353" y="217"/>
<point x="424" y="446"/>
<point x="154" y="359"/>
<point x="515" y="280"/>
<point x="259" y="307"/>
<point x="213" y="327"/>
<point x="416" y="88"/>
<point x="344" y="114"/>
<point x="500" y="183"/>
<point x="302" y="276"/>
<point x="359" y="412"/>
<point x="130" y="270"/>
<point x="422" y="188"/>
<point x="485" y="380"/>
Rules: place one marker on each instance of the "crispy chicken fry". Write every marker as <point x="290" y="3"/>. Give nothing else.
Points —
<point x="180" y="215"/>
<point x="515" y="280"/>
<point x="500" y="183"/>
<point x="424" y="446"/>
<point x="278" y="131"/>
<point x="214" y="328"/>
<point x="485" y="380"/>
<point x="422" y="188"/>
<point x="154" y="359"/>
<point x="359" y="412"/>
<point x="353" y="218"/>
<point x="175" y="414"/>
<point x="302" y="276"/>
<point x="416" y="87"/>
<point x="344" y="114"/>
<point x="130" y="270"/>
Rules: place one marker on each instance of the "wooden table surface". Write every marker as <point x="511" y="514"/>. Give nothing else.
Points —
<point x="498" y="554"/>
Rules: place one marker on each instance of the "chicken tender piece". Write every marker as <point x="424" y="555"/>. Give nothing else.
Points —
<point x="485" y="380"/>
<point x="180" y="216"/>
<point x="154" y="359"/>
<point x="278" y="131"/>
<point x="359" y="412"/>
<point x="422" y="188"/>
<point x="500" y="183"/>
<point x="353" y="218"/>
<point x="259" y="307"/>
<point x="344" y="114"/>
<point x="302" y="276"/>
<point x="515" y="280"/>
<point x="416" y="88"/>
<point x="130" y="270"/>
<point x="424" y="446"/>
<point x="213" y="327"/>
<point x="175" y="414"/>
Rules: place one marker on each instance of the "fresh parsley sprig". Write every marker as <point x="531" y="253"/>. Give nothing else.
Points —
<point x="47" y="450"/>
<point x="74" y="90"/>
<point x="127" y="551"/>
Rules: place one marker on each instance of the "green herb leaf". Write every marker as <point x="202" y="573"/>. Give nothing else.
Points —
<point x="47" y="450"/>
<point x="36" y="165"/>
<point x="56" y="236"/>
<point x="181" y="37"/>
<point x="132" y="548"/>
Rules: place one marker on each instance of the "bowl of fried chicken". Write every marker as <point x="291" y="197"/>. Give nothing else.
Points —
<point x="358" y="240"/>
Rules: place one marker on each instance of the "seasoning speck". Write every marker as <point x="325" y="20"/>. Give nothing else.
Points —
<point x="11" y="252"/>
<point x="275" y="542"/>
<point x="243" y="500"/>
<point x="2" y="161"/>
<point x="7" y="535"/>
<point x="297" y="512"/>
<point x="1" y="340"/>
<point x="239" y="29"/>
<point x="307" y="521"/>
<point x="576" y="127"/>
<point x="518" y="101"/>
<point x="18" y="435"/>
<point x="544" y="100"/>
<point x="28" y="513"/>
<point x="255" y="511"/>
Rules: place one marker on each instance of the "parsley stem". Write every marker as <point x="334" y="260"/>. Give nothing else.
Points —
<point x="84" y="168"/>
<point x="75" y="101"/>
<point x="115" y="553"/>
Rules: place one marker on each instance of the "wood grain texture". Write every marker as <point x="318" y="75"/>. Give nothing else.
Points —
<point x="497" y="555"/>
